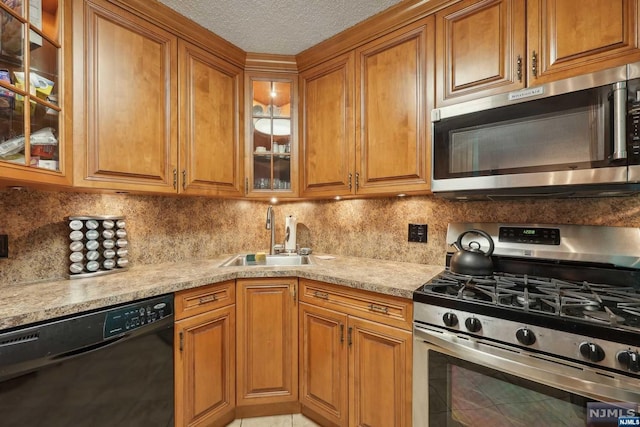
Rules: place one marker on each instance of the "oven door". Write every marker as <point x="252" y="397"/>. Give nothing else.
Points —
<point x="465" y="381"/>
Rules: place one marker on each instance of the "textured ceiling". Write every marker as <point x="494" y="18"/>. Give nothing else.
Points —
<point x="284" y="27"/>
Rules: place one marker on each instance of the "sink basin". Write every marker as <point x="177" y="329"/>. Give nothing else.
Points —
<point x="272" y="260"/>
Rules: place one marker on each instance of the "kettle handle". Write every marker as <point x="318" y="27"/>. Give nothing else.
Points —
<point x="458" y="242"/>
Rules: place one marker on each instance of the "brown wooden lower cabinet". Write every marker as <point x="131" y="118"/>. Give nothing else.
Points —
<point x="204" y="357"/>
<point x="324" y="363"/>
<point x="380" y="367"/>
<point x="267" y="346"/>
<point x="244" y="348"/>
<point x="353" y="371"/>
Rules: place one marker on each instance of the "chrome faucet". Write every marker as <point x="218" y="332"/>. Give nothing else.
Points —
<point x="271" y="226"/>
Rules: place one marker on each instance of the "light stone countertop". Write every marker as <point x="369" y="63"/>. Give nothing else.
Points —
<point x="33" y="302"/>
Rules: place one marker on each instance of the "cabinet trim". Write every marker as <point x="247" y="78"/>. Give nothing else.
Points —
<point x="404" y="13"/>
<point x="185" y="28"/>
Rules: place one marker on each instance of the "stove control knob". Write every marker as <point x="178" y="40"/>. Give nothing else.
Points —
<point x="473" y="324"/>
<point x="629" y="359"/>
<point x="525" y="336"/>
<point x="591" y="351"/>
<point x="450" y="319"/>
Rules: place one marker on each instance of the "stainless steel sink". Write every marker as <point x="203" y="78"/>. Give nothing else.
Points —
<point x="272" y="260"/>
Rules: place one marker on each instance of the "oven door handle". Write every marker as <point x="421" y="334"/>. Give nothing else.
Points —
<point x="560" y="374"/>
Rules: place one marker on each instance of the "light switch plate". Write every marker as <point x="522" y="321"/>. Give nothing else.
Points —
<point x="418" y="233"/>
<point x="4" y="246"/>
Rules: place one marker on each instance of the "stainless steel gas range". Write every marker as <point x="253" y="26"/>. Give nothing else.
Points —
<point x="552" y="337"/>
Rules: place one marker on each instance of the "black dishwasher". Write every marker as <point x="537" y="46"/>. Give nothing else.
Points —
<point x="109" y="367"/>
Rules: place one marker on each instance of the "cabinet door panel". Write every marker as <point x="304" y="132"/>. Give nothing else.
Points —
<point x="323" y="363"/>
<point x="327" y="128"/>
<point x="392" y="75"/>
<point x="210" y="100"/>
<point x="267" y="341"/>
<point x="129" y="140"/>
<point x="569" y="40"/>
<point x="478" y="44"/>
<point x="379" y="375"/>
<point x="205" y="367"/>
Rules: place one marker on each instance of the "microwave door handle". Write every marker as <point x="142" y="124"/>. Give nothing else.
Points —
<point x="619" y="121"/>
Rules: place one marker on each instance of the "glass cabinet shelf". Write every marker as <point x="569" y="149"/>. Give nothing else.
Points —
<point x="271" y="135"/>
<point x="30" y="55"/>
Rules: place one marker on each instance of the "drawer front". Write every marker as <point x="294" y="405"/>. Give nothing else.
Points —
<point x="204" y="298"/>
<point x="393" y="311"/>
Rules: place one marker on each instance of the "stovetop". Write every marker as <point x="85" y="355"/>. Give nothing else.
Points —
<point x="567" y="291"/>
<point x="600" y="304"/>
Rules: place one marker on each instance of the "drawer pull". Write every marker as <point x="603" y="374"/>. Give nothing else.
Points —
<point x="321" y="295"/>
<point x="209" y="298"/>
<point x="379" y="308"/>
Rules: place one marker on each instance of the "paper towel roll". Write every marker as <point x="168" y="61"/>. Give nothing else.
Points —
<point x="290" y="233"/>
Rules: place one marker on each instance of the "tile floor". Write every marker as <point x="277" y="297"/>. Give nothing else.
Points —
<point x="295" y="420"/>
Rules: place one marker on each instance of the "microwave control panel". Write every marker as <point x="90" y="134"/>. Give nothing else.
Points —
<point x="634" y="130"/>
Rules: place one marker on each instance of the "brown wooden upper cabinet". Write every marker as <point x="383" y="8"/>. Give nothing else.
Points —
<point x="210" y="111"/>
<point x="486" y="47"/>
<point x="128" y="103"/>
<point x="364" y="115"/>
<point x="271" y="135"/>
<point x="327" y="94"/>
<point x="33" y="92"/>
<point x="125" y="108"/>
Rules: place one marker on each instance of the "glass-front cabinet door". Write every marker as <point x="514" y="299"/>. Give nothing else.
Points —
<point x="272" y="152"/>
<point x="30" y="64"/>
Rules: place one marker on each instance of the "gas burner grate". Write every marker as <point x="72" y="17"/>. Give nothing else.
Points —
<point x="592" y="302"/>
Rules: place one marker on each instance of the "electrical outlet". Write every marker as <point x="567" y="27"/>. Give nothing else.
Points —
<point x="4" y="246"/>
<point x="418" y="233"/>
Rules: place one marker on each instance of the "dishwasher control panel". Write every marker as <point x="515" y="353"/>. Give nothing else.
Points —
<point x="136" y="315"/>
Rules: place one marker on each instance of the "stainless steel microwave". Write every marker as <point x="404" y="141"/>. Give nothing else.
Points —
<point x="577" y="137"/>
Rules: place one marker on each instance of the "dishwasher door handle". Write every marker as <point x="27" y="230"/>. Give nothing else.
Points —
<point x="88" y="349"/>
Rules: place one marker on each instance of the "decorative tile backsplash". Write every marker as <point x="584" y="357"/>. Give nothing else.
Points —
<point x="165" y="229"/>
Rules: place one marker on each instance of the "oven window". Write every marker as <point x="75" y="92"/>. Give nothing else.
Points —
<point x="466" y="394"/>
